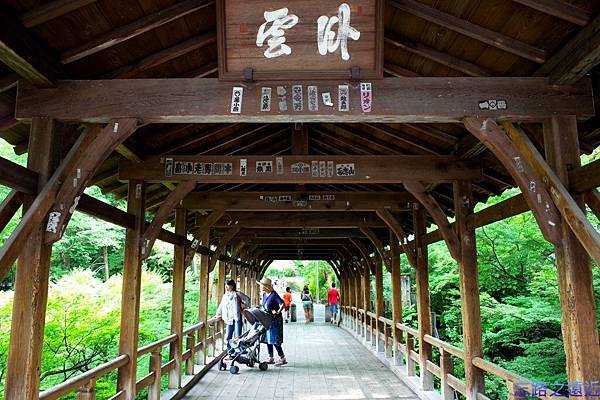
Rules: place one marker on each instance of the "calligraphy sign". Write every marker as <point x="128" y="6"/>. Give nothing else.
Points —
<point x="311" y="39"/>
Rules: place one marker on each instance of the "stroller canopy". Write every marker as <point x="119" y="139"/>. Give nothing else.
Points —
<point x="254" y="315"/>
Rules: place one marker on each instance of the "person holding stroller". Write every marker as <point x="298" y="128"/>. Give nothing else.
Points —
<point x="230" y="311"/>
<point x="273" y="304"/>
<point x="307" y="300"/>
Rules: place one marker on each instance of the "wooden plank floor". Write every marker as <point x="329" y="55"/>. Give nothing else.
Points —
<point x="325" y="362"/>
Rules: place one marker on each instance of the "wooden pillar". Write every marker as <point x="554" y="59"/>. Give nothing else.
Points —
<point x="358" y="303"/>
<point x="575" y="282"/>
<point x="203" y="277"/>
<point x="221" y="289"/>
<point x="132" y="282"/>
<point x="396" y="295"/>
<point x="423" y="301"/>
<point x="379" y="304"/>
<point x="234" y="273"/>
<point x="366" y="297"/>
<point x="469" y="288"/>
<point x="177" y="303"/>
<point x="242" y="274"/>
<point x="31" y="281"/>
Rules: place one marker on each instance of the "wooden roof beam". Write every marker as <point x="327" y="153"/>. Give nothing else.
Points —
<point x="559" y="9"/>
<point x="52" y="10"/>
<point x="22" y="52"/>
<point x="398" y="71"/>
<point x="432" y="54"/>
<point x="471" y="30"/>
<point x="299" y="220"/>
<point x="576" y="58"/>
<point x="133" y="29"/>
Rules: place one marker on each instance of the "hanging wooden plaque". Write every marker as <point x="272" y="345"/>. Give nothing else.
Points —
<point x="309" y="39"/>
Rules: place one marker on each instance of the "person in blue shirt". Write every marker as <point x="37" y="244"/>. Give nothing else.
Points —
<point x="273" y="304"/>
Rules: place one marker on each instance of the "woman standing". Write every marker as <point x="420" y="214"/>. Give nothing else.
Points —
<point x="307" y="300"/>
<point x="273" y="304"/>
<point x="230" y="311"/>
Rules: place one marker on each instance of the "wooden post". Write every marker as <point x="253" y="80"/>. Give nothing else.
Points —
<point x="155" y="367"/>
<point x="469" y="288"/>
<point x="579" y="325"/>
<point x="132" y="282"/>
<point x="203" y="298"/>
<point x="221" y="288"/>
<point x="445" y="369"/>
<point x="366" y="297"/>
<point x="177" y="303"/>
<point x="380" y="344"/>
<point x="31" y="281"/>
<point x="190" y="343"/>
<point x="410" y="364"/>
<point x="234" y="273"/>
<point x="87" y="391"/>
<point x="423" y="301"/>
<point x="396" y="296"/>
<point x="358" y="302"/>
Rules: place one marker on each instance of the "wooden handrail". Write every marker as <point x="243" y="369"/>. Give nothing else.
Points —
<point x="386" y="321"/>
<point x="155" y="345"/>
<point x="455" y="351"/>
<point x="193" y="328"/>
<point x="407" y="329"/>
<point x="497" y="370"/>
<point x="75" y="383"/>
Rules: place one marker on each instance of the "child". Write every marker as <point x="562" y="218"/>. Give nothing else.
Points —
<point x="287" y="302"/>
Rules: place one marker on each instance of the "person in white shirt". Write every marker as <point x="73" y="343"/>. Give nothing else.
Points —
<point x="230" y="311"/>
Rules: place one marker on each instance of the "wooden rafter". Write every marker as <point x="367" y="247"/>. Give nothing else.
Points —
<point x="471" y="30"/>
<point x="98" y="144"/>
<point x="9" y="207"/>
<point x="576" y="58"/>
<point x="209" y="101"/>
<point x="395" y="226"/>
<point x="592" y="199"/>
<point x="161" y="215"/>
<point x="560" y="195"/>
<point x="520" y="168"/>
<point x="133" y="29"/>
<point x="559" y="9"/>
<point x="440" y="218"/>
<point x="52" y="10"/>
<point x="385" y="257"/>
<point x="223" y="242"/>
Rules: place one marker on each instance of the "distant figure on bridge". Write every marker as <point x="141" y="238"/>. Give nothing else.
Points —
<point x="333" y="297"/>
<point x="307" y="300"/>
<point x="287" y="302"/>
<point x="273" y="304"/>
<point x="230" y="311"/>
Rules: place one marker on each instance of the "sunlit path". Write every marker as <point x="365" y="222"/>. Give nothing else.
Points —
<point x="325" y="362"/>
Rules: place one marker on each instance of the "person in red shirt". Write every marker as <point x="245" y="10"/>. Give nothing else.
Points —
<point x="333" y="297"/>
<point x="287" y="301"/>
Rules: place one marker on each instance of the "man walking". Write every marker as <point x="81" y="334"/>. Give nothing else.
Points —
<point x="333" y="297"/>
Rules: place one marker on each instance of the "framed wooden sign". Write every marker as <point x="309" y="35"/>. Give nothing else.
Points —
<point x="309" y="39"/>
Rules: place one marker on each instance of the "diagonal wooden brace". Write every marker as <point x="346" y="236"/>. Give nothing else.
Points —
<point x="402" y="237"/>
<point x="520" y="168"/>
<point x="206" y="224"/>
<point x="98" y="144"/>
<point x="221" y="246"/>
<point x="418" y="190"/>
<point x="9" y="207"/>
<point x="379" y="247"/>
<point x="165" y="209"/>
<point x="567" y="206"/>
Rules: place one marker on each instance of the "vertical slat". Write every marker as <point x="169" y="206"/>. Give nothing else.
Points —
<point x="203" y="297"/>
<point x="177" y="302"/>
<point x="87" y="391"/>
<point x="132" y="282"/>
<point x="575" y="281"/>
<point x="31" y="281"/>
<point x="155" y="367"/>
<point x="469" y="288"/>
<point x="446" y="368"/>
<point x="410" y="364"/>
<point x="189" y="344"/>
<point x="423" y="300"/>
<point x="396" y="296"/>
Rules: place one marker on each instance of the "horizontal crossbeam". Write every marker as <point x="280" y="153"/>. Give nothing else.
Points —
<point x="299" y="220"/>
<point x="401" y="100"/>
<point x="301" y="169"/>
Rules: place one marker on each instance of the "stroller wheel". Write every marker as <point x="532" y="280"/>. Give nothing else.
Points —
<point x="222" y="366"/>
<point x="263" y="366"/>
<point x="234" y="369"/>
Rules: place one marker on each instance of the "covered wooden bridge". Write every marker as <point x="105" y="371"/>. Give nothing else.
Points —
<point x="322" y="155"/>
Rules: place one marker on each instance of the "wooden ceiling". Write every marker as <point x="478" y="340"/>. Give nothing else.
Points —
<point x="128" y="39"/>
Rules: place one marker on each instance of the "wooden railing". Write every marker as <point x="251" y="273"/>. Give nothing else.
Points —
<point x="85" y="384"/>
<point x="406" y="355"/>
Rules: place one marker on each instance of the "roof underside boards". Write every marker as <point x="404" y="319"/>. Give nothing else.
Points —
<point x="128" y="39"/>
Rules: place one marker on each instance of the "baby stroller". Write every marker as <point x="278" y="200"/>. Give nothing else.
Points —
<point x="246" y="349"/>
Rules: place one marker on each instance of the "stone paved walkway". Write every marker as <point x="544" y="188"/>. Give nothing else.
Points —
<point x="325" y="362"/>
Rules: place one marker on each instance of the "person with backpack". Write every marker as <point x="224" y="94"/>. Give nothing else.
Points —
<point x="307" y="300"/>
<point x="230" y="311"/>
